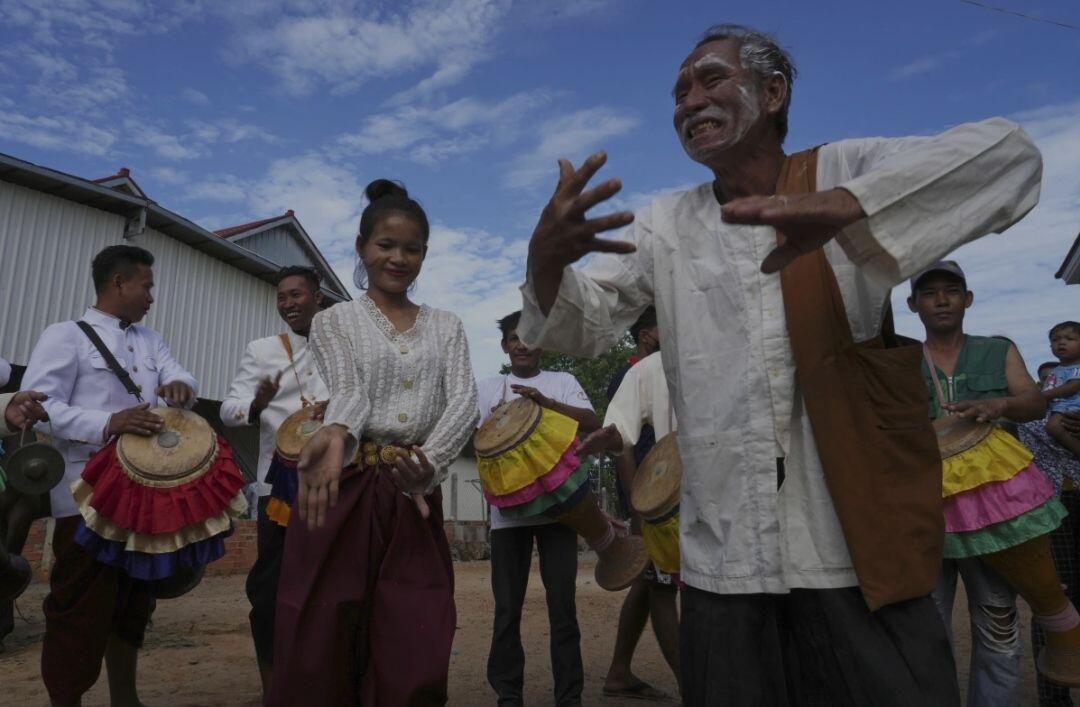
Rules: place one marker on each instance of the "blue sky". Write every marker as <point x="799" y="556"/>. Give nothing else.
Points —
<point x="228" y="112"/>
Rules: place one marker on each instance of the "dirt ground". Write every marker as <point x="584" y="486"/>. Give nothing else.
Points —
<point x="198" y="651"/>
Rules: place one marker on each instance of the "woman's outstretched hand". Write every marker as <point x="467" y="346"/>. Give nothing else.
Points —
<point x="319" y="471"/>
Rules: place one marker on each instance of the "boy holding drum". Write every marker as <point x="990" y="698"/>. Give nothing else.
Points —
<point x="512" y="539"/>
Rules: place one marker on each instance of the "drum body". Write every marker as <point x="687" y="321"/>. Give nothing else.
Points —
<point x="655" y="494"/>
<point x="159" y="507"/>
<point x="292" y="435"/>
<point x="527" y="466"/>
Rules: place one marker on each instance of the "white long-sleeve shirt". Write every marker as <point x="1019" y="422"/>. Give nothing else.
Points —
<point x="727" y="356"/>
<point x="265" y="358"/>
<point x="84" y="393"/>
<point x="389" y="386"/>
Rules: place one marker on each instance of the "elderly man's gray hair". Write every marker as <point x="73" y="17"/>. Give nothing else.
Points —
<point x="763" y="55"/>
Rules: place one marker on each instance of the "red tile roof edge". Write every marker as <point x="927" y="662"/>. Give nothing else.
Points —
<point x="233" y="230"/>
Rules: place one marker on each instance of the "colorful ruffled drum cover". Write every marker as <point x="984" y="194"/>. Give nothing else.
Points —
<point x="534" y="469"/>
<point x="994" y="498"/>
<point x="150" y="525"/>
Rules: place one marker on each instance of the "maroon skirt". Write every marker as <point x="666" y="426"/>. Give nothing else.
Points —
<point x="365" y="610"/>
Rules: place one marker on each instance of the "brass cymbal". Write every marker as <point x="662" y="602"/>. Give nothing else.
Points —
<point x="35" y="468"/>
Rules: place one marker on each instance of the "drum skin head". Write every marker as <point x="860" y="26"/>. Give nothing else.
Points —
<point x="295" y="431"/>
<point x="657" y="484"/>
<point x="510" y="425"/>
<point x="182" y="450"/>
<point x="35" y="469"/>
<point x="956" y="434"/>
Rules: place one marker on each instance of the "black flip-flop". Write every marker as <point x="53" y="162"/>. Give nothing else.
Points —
<point x="640" y="690"/>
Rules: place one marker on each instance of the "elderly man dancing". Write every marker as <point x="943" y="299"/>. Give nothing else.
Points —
<point x="811" y="528"/>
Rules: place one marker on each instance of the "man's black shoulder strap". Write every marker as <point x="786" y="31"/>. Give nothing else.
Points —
<point x="110" y="360"/>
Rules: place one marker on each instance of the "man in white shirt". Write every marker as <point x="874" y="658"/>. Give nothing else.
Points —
<point x="277" y="377"/>
<point x="94" y="610"/>
<point x="764" y="558"/>
<point x="512" y="539"/>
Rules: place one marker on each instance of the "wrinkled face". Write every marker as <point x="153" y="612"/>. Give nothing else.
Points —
<point x="521" y="357"/>
<point x="1065" y="344"/>
<point x="940" y="300"/>
<point x="717" y="101"/>
<point x="394" y="253"/>
<point x="133" y="293"/>
<point x="297" y="303"/>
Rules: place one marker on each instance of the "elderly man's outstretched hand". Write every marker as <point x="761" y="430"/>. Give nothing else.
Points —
<point x="809" y="221"/>
<point x="563" y="235"/>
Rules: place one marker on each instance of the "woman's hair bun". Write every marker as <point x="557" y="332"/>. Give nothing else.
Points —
<point x="383" y="188"/>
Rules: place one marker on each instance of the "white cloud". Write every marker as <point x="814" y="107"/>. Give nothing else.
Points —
<point x="931" y="62"/>
<point x="168" y="176"/>
<point x="228" y="131"/>
<point x="343" y="45"/>
<point x="1012" y="275"/>
<point x="432" y="134"/>
<point x="195" y="97"/>
<point x="224" y="188"/>
<point x="916" y="67"/>
<point x="196" y="143"/>
<point x="326" y="198"/>
<point x="160" y="142"/>
<point x="56" y="133"/>
<point x="573" y="136"/>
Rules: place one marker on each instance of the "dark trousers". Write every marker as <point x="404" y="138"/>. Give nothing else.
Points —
<point x="1064" y="546"/>
<point x="813" y="647"/>
<point x="511" y="557"/>
<point x="88" y="601"/>
<point x="262" y="583"/>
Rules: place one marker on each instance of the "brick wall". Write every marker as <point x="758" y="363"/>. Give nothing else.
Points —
<point x="468" y="541"/>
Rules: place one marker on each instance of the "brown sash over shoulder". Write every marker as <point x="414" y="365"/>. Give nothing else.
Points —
<point x="868" y="408"/>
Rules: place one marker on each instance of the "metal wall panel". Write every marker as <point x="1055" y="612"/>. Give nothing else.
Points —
<point x="278" y="245"/>
<point x="206" y="310"/>
<point x="46" y="244"/>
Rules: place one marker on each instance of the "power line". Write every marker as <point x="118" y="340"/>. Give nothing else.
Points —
<point x="1020" y="14"/>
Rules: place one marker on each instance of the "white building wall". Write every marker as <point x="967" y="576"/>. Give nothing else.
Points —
<point x="46" y="244"/>
<point x="206" y="309"/>
<point x="462" y="498"/>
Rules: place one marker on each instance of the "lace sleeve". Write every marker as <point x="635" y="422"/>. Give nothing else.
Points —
<point x="336" y="360"/>
<point x="459" y="418"/>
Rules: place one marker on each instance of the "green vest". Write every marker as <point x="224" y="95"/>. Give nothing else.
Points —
<point x="979" y="373"/>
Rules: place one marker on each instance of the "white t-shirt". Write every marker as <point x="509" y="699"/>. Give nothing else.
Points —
<point x="560" y="387"/>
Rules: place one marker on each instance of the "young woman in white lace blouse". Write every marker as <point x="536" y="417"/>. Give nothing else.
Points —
<point x="366" y="607"/>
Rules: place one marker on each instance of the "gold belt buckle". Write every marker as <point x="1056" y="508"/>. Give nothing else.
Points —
<point x="388" y="454"/>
